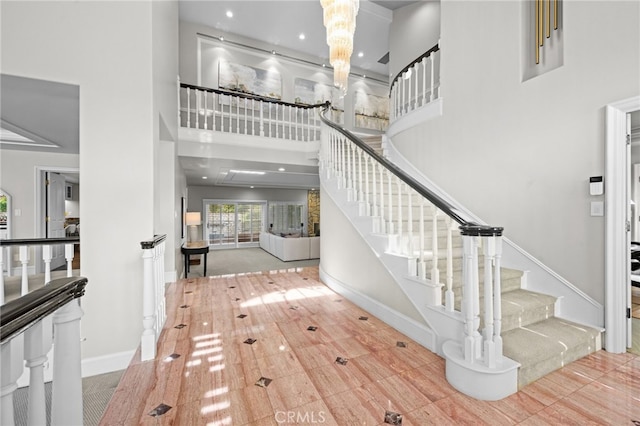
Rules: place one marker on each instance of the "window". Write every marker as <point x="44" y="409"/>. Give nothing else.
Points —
<point x="233" y="223"/>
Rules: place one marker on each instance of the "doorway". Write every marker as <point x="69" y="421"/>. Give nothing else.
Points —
<point x="618" y="321"/>
<point x="51" y="211"/>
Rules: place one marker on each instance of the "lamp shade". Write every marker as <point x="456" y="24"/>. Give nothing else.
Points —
<point x="193" y="218"/>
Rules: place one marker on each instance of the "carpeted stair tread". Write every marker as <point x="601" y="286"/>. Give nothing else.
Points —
<point x="547" y="345"/>
<point x="523" y="307"/>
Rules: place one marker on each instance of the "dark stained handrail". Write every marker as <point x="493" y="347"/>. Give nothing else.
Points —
<point x="418" y="59"/>
<point x="39" y="241"/>
<point x="19" y="314"/>
<point x="471" y="227"/>
<point x="149" y="244"/>
<point x="248" y="96"/>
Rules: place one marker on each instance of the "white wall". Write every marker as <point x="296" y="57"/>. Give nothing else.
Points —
<point x="105" y="48"/>
<point x="206" y="73"/>
<point x="165" y="128"/>
<point x="414" y="30"/>
<point x="346" y="257"/>
<point x="520" y="155"/>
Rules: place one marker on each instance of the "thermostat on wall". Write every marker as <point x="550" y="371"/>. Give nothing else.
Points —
<point x="596" y="185"/>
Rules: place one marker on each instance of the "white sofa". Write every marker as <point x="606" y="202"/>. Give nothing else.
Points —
<point x="295" y="248"/>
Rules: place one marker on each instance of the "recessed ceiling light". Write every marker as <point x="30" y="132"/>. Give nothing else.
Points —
<point x="247" y="172"/>
<point x="302" y="36"/>
<point x="281" y="169"/>
<point x="273" y="52"/>
<point x="324" y="65"/>
<point x="221" y="38"/>
<point x="229" y="14"/>
<point x="360" y="54"/>
<point x="252" y="187"/>
<point x="204" y="177"/>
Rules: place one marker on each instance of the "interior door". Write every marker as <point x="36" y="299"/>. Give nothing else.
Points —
<point x="54" y="221"/>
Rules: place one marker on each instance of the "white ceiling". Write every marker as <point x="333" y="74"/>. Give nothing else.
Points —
<point x="281" y="22"/>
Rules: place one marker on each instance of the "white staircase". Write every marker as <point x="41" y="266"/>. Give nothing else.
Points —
<point x="495" y="339"/>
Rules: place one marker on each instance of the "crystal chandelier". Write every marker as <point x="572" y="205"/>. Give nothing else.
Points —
<point x="340" y="21"/>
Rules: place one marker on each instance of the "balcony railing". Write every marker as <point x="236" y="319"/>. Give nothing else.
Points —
<point x="34" y="323"/>
<point x="416" y="85"/>
<point x="223" y="111"/>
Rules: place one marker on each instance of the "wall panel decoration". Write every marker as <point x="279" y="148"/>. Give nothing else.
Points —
<point x="246" y="79"/>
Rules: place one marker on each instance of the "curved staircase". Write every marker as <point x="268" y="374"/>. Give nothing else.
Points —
<point x="534" y="341"/>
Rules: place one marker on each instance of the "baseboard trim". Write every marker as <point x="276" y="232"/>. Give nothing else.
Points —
<point x="106" y="363"/>
<point x="170" y="276"/>
<point x="404" y="324"/>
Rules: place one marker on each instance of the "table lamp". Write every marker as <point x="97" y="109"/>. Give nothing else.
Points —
<point x="193" y="219"/>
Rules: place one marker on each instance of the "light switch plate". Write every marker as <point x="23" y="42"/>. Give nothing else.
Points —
<point x="597" y="208"/>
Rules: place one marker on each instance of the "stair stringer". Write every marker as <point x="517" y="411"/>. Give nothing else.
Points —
<point x="445" y="327"/>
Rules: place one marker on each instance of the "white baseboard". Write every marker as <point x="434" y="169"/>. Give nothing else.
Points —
<point x="170" y="276"/>
<point x="106" y="363"/>
<point x="404" y="324"/>
<point x="90" y="366"/>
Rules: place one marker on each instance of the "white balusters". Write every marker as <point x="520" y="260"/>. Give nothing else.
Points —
<point x="12" y="365"/>
<point x="24" y="260"/>
<point x="35" y="355"/>
<point x="435" y="273"/>
<point x="188" y="107"/>
<point x="47" y="255"/>
<point x="422" y="265"/>
<point x="412" y="88"/>
<point x="2" y="275"/>
<point x="449" y="295"/>
<point x="68" y="254"/>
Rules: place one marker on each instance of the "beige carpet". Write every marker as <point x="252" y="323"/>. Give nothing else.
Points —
<point x="96" y="394"/>
<point x="253" y="259"/>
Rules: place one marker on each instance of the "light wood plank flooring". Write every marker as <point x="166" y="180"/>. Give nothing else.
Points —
<point x="242" y="349"/>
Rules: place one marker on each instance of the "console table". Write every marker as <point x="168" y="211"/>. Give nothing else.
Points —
<point x="196" y="247"/>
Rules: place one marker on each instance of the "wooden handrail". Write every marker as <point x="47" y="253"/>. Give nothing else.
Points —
<point x="19" y="314"/>
<point x="248" y="96"/>
<point x="39" y="241"/>
<point x="149" y="244"/>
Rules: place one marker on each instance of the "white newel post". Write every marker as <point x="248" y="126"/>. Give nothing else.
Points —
<point x="487" y="332"/>
<point x="148" y="343"/>
<point x="472" y="337"/>
<point x="497" y="295"/>
<point x="66" y="403"/>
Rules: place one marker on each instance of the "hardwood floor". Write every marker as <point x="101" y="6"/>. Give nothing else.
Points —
<point x="281" y="348"/>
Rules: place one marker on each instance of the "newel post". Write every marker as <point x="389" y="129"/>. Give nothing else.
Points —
<point x="66" y="404"/>
<point x="148" y="343"/>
